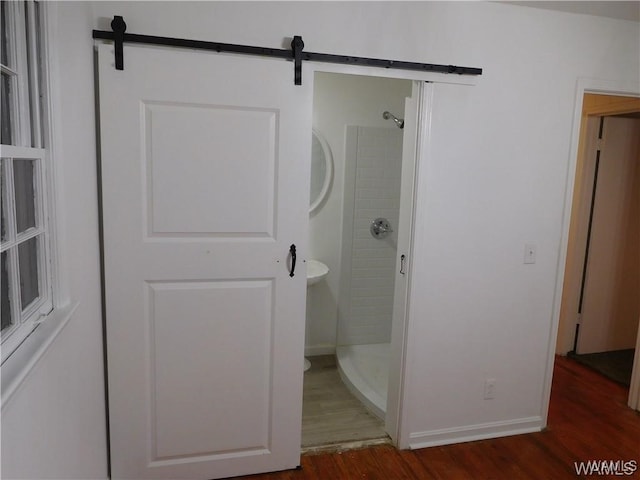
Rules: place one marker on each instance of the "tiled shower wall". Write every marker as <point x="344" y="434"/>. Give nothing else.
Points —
<point x="372" y="190"/>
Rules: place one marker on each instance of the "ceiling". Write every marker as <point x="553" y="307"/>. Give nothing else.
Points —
<point x="623" y="10"/>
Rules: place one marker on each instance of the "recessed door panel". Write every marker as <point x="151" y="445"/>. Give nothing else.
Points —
<point x="188" y="180"/>
<point x="210" y="368"/>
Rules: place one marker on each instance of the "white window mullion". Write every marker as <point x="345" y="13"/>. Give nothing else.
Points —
<point x="28" y="235"/>
<point x="10" y="209"/>
<point x="45" y="303"/>
<point x="39" y="192"/>
<point x="5" y="237"/>
<point x="11" y="252"/>
<point x="14" y="293"/>
<point x="23" y="77"/>
<point x="13" y="105"/>
<point x="34" y="80"/>
<point x="15" y="151"/>
<point x="43" y="223"/>
<point x="9" y="71"/>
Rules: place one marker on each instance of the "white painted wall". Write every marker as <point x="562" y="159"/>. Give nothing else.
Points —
<point x="495" y="179"/>
<point x="54" y="425"/>
<point x="339" y="101"/>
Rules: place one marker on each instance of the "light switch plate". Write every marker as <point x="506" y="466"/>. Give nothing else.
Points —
<point x="529" y="253"/>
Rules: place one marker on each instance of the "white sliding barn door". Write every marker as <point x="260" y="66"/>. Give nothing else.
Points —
<point x="205" y="168"/>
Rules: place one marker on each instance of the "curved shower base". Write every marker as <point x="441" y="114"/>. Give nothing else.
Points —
<point x="364" y="369"/>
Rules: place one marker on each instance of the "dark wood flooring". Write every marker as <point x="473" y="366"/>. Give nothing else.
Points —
<point x="588" y="420"/>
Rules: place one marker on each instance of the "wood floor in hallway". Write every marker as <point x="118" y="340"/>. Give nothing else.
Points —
<point x="588" y="420"/>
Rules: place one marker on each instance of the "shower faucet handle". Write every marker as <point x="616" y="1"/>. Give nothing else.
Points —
<point x="380" y="228"/>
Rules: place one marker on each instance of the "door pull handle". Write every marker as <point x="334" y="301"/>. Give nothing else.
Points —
<point x="402" y="258"/>
<point x="292" y="252"/>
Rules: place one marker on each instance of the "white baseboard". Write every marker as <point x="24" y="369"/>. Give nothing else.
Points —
<point x="470" y="433"/>
<point x="315" y="350"/>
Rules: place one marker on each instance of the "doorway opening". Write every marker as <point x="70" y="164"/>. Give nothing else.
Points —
<point x="356" y="231"/>
<point x="602" y="272"/>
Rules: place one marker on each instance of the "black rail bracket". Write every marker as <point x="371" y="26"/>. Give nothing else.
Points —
<point x="296" y="48"/>
<point x="119" y="27"/>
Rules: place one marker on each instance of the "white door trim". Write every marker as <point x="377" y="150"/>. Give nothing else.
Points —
<point x="401" y="345"/>
<point x="584" y="85"/>
<point x="396" y="383"/>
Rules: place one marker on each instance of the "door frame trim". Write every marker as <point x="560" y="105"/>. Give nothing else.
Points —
<point x="401" y="428"/>
<point x="399" y="423"/>
<point x="602" y="87"/>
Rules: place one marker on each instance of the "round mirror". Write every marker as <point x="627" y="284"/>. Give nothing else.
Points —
<point x="321" y="170"/>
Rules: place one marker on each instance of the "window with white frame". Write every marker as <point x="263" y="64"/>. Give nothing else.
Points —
<point x="25" y="234"/>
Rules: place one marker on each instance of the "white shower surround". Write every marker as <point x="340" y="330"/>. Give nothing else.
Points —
<point x="339" y="101"/>
<point x="373" y="165"/>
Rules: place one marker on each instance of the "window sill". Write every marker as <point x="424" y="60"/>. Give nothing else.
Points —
<point x="19" y="365"/>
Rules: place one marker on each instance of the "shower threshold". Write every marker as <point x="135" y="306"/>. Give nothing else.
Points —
<point x="345" y="446"/>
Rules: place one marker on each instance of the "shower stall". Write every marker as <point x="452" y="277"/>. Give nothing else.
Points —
<point x="373" y="164"/>
<point x="355" y="231"/>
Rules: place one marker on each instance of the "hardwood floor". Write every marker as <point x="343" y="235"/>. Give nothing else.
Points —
<point x="588" y="420"/>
